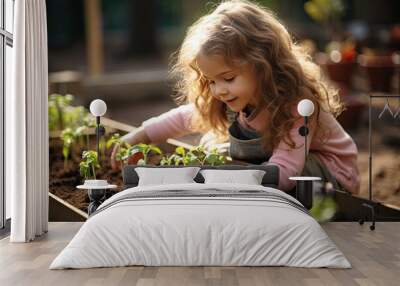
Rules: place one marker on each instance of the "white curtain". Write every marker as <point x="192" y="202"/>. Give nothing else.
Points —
<point x="27" y="125"/>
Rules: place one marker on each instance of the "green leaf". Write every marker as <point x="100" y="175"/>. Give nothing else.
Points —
<point x="212" y="159"/>
<point x="115" y="139"/>
<point x="180" y="151"/>
<point x="155" y="149"/>
<point x="89" y="164"/>
<point x="65" y="152"/>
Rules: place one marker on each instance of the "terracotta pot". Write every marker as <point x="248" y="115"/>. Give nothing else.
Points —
<point x="379" y="70"/>
<point x="340" y="72"/>
<point x="135" y="158"/>
<point x="350" y="119"/>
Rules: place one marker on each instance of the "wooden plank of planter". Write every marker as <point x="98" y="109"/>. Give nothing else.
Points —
<point x="128" y="128"/>
<point x="90" y="131"/>
<point x="116" y="125"/>
<point x="60" y="210"/>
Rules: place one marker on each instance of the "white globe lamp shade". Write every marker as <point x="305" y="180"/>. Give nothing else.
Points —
<point x="98" y="107"/>
<point x="305" y="107"/>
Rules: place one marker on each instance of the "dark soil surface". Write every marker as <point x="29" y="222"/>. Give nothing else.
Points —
<point x="65" y="178"/>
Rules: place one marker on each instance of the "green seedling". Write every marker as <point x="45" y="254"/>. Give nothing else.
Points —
<point x="68" y="137"/>
<point x="57" y="107"/>
<point x="89" y="164"/>
<point x="122" y="154"/>
<point x="195" y="156"/>
<point x="146" y="150"/>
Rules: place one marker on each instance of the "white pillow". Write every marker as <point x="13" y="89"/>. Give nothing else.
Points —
<point x="249" y="177"/>
<point x="164" y="176"/>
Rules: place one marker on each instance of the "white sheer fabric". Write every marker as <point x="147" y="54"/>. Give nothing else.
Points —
<point x="27" y="124"/>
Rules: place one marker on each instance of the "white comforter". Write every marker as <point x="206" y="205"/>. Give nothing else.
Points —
<point x="200" y="231"/>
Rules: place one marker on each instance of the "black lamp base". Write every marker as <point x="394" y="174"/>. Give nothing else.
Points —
<point x="304" y="193"/>
<point x="96" y="197"/>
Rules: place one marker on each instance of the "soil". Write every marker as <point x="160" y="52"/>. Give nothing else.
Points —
<point x="65" y="178"/>
<point x="385" y="179"/>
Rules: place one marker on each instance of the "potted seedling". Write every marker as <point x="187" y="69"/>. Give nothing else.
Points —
<point x="122" y="155"/>
<point x="127" y="154"/>
<point x="379" y="68"/>
<point x="340" y="62"/>
<point x="146" y="150"/>
<point x="340" y="53"/>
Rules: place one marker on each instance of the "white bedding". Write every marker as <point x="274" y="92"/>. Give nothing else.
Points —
<point x="182" y="231"/>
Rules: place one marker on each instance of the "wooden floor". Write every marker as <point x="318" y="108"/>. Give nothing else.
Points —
<point x="375" y="257"/>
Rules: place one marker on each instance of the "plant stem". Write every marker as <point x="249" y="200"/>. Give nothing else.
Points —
<point x="94" y="172"/>
<point x="65" y="164"/>
<point x="122" y="169"/>
<point x="60" y="116"/>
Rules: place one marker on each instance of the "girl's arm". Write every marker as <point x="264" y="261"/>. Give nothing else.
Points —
<point x="291" y="160"/>
<point x="174" y="123"/>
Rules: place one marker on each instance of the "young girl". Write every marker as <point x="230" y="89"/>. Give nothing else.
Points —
<point x="241" y="77"/>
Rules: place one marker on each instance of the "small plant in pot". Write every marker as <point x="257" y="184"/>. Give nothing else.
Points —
<point x="340" y="52"/>
<point x="379" y="67"/>
<point x="145" y="150"/>
<point x="340" y="61"/>
<point x="122" y="151"/>
<point x="138" y="154"/>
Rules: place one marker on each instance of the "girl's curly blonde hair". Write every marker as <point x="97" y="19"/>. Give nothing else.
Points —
<point x="245" y="31"/>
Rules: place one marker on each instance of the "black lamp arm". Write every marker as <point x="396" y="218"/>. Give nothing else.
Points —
<point x="100" y="131"/>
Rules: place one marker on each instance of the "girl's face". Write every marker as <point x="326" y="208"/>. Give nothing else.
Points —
<point x="235" y="86"/>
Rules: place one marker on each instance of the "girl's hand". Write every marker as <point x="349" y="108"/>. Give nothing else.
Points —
<point x="135" y="137"/>
<point x="114" y="163"/>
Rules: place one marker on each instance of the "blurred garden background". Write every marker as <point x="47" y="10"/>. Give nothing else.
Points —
<point x="119" y="51"/>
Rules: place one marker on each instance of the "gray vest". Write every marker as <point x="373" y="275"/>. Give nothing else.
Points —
<point x="245" y="144"/>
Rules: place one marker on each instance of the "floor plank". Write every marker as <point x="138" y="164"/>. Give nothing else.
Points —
<point x="374" y="255"/>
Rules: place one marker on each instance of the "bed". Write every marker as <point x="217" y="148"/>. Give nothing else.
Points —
<point x="201" y="224"/>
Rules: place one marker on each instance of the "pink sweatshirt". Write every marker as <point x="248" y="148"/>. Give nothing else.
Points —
<point x="337" y="151"/>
